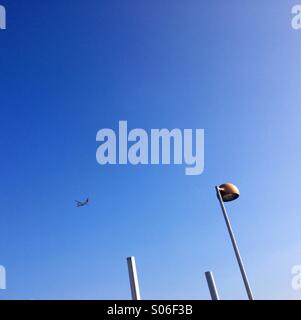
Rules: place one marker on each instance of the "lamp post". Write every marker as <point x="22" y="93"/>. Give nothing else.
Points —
<point x="225" y="193"/>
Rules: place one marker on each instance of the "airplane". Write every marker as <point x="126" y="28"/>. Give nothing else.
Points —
<point x="82" y="203"/>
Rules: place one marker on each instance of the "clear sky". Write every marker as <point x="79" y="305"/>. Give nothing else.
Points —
<point x="70" y="68"/>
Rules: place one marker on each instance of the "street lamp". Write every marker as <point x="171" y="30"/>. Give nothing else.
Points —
<point x="225" y="193"/>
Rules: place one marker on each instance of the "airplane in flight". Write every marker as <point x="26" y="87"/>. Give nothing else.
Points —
<point x="82" y="203"/>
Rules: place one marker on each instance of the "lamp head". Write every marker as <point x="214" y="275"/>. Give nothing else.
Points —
<point x="229" y="192"/>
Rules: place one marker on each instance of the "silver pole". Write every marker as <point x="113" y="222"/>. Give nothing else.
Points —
<point x="133" y="278"/>
<point x="235" y="247"/>
<point x="212" y="286"/>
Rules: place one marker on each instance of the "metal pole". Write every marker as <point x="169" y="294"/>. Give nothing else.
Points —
<point x="211" y="285"/>
<point x="133" y="278"/>
<point x="235" y="247"/>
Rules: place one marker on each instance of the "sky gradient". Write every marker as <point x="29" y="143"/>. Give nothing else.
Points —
<point x="70" y="68"/>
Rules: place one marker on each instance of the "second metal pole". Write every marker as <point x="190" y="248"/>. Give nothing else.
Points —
<point x="133" y="278"/>
<point x="211" y="285"/>
<point x="235" y="247"/>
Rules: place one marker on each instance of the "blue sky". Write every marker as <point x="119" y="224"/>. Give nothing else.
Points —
<point x="70" y="68"/>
